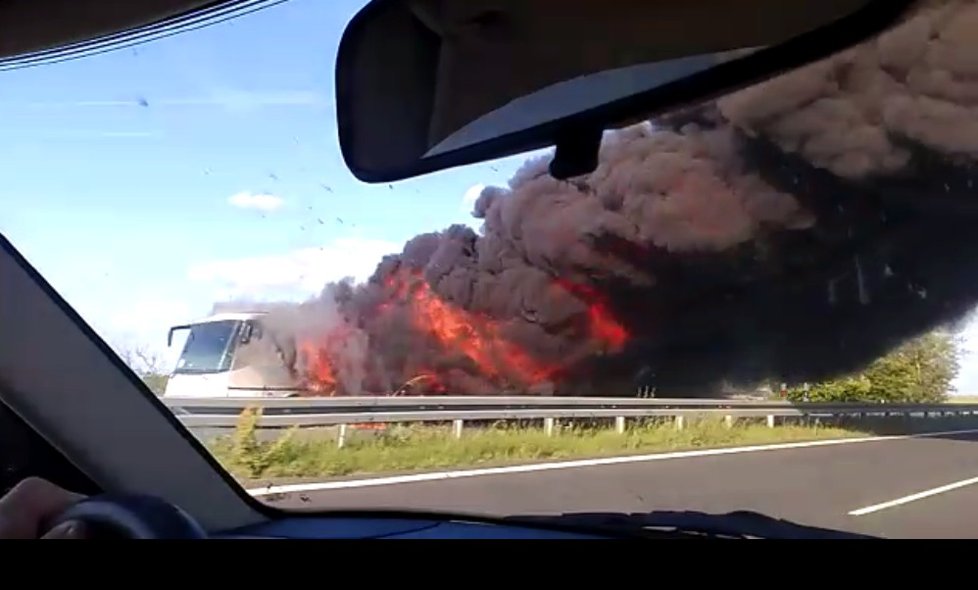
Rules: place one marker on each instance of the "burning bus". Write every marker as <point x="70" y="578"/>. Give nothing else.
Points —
<point x="322" y="347"/>
<point x="233" y="355"/>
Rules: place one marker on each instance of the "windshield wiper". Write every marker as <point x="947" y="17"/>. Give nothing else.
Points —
<point x="733" y="525"/>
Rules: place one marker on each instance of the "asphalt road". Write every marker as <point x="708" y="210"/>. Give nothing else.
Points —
<point x="817" y="486"/>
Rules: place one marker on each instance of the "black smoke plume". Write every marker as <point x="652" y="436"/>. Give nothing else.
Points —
<point x="792" y="231"/>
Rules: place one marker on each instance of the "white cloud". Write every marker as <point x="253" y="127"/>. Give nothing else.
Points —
<point x="259" y="201"/>
<point x="161" y="312"/>
<point x="292" y="275"/>
<point x="470" y="196"/>
<point x="142" y="325"/>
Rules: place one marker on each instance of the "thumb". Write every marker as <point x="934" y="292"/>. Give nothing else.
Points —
<point x="71" y="529"/>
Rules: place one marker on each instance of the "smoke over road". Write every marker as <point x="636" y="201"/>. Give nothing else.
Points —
<point x="793" y="230"/>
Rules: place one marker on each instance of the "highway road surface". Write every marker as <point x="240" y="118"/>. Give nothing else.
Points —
<point x="909" y="487"/>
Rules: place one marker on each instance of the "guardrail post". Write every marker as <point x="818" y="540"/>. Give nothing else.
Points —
<point x="770" y="420"/>
<point x="620" y="424"/>
<point x="341" y="437"/>
<point x="457" y="428"/>
<point x="548" y="426"/>
<point x="679" y="422"/>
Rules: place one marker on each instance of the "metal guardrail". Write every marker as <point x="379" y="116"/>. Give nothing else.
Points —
<point x="457" y="401"/>
<point x="346" y="411"/>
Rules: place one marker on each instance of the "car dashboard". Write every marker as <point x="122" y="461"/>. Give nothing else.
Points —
<point x="393" y="528"/>
<point x="655" y="525"/>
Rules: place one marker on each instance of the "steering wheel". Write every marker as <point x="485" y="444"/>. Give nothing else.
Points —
<point x="131" y="516"/>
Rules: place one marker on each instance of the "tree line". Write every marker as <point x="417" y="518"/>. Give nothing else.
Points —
<point x="918" y="371"/>
<point x="150" y="367"/>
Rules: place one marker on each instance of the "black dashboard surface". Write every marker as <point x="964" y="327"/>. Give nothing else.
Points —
<point x="659" y="524"/>
<point x="394" y="528"/>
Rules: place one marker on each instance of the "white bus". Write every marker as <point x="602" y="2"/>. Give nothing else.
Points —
<point x="233" y="355"/>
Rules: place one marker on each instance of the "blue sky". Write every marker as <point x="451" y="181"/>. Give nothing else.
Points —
<point x="146" y="183"/>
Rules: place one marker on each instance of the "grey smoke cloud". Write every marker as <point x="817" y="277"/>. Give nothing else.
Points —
<point x="851" y="113"/>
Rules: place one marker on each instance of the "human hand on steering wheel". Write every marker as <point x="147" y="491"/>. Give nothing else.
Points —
<point x="32" y="503"/>
<point x="38" y="509"/>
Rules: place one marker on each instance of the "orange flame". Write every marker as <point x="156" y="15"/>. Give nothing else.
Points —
<point x="320" y="372"/>
<point x="477" y="337"/>
<point x="603" y="326"/>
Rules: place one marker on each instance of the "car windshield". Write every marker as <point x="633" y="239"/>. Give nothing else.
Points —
<point x="209" y="348"/>
<point x="789" y="264"/>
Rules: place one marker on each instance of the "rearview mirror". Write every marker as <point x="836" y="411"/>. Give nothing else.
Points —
<point x="425" y="85"/>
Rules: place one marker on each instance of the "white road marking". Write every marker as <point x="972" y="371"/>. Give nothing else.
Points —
<point x="531" y="467"/>
<point x="914" y="497"/>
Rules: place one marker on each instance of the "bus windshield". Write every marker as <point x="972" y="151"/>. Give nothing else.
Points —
<point x="209" y="347"/>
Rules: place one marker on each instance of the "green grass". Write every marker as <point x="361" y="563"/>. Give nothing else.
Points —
<point x="421" y="448"/>
<point x="962" y="399"/>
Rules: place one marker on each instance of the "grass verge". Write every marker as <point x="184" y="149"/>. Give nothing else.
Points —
<point x="405" y="448"/>
<point x="962" y="399"/>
